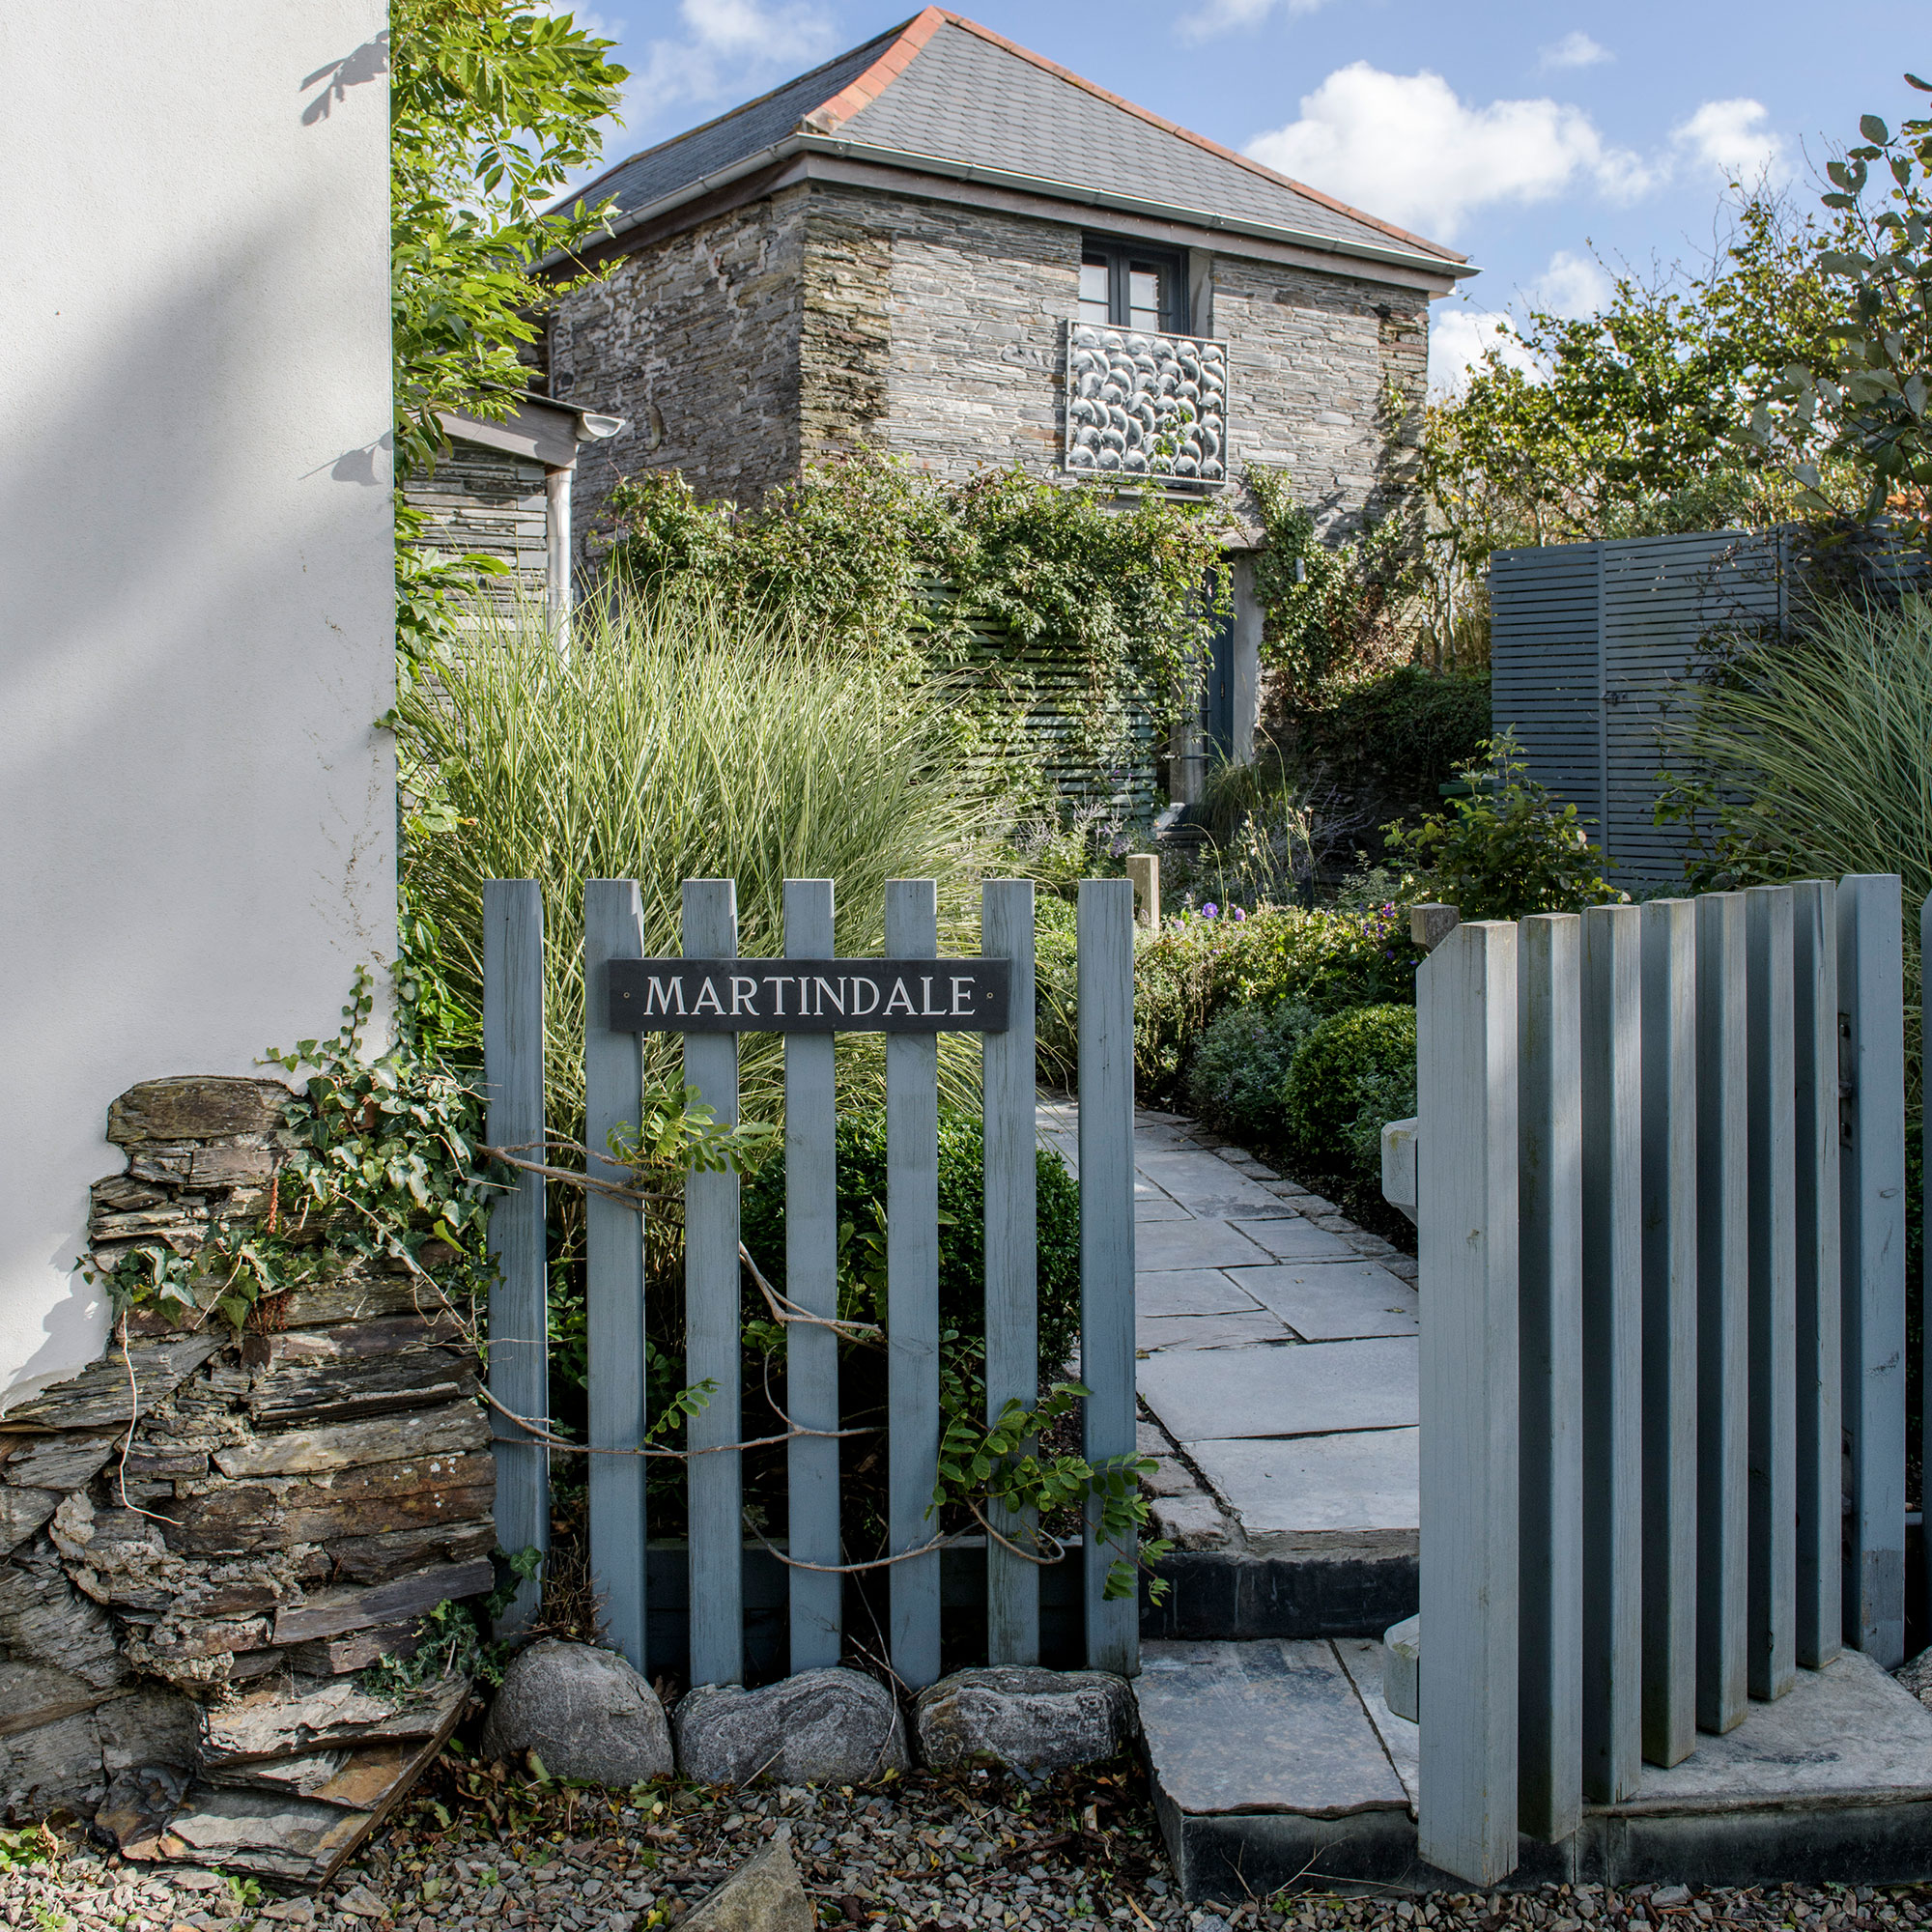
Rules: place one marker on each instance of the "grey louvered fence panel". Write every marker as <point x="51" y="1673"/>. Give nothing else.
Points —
<point x="1594" y="648"/>
<point x="1544" y="676"/>
<point x="1665" y="600"/>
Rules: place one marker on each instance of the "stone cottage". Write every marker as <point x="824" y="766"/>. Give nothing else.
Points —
<point x="943" y="245"/>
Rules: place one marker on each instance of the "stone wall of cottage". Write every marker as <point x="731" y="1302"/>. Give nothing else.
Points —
<point x="834" y="318"/>
<point x="185" y="1603"/>
<point x="695" y="341"/>
<point x="487" y="502"/>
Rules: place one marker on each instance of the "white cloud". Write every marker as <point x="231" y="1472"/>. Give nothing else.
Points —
<point x="1460" y="333"/>
<point x="1574" y="49"/>
<point x="1732" y="139"/>
<point x="1404" y="148"/>
<point x="1222" y="16"/>
<point x="728" y="50"/>
<point x="1571" y="286"/>
<point x="1458" y="337"/>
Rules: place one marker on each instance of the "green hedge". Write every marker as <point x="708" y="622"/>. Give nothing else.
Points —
<point x="1195" y="968"/>
<point x="962" y="1234"/>
<point x="1388" y="743"/>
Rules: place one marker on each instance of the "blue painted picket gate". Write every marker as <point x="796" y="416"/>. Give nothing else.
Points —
<point x="1660" y="1188"/>
<point x="717" y="1549"/>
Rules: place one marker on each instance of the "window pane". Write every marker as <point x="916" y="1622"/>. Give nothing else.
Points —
<point x="1143" y="303"/>
<point x="1094" y="289"/>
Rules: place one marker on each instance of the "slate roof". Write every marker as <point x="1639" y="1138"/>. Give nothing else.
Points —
<point x="944" y="89"/>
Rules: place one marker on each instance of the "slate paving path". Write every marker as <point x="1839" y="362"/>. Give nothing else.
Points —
<point x="1277" y="1346"/>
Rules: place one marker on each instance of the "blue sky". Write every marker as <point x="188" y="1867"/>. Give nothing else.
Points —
<point x="1529" y="136"/>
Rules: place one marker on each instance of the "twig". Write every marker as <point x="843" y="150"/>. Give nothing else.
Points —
<point x="540" y="1434"/>
<point x="133" y="1418"/>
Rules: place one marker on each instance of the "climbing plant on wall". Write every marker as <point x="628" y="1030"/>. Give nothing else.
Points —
<point x="868" y="550"/>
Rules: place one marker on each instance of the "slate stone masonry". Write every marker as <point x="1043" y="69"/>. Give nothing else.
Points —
<point x="831" y="316"/>
<point x="185" y="1604"/>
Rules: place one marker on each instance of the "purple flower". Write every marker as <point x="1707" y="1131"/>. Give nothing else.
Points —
<point x="1234" y="912"/>
<point x="1210" y="910"/>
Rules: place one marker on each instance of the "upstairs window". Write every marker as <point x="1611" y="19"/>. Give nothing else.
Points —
<point x="1126" y="287"/>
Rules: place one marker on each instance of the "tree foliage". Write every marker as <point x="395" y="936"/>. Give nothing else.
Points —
<point x="1862" y="392"/>
<point x="493" y="103"/>
<point x="1623" y="422"/>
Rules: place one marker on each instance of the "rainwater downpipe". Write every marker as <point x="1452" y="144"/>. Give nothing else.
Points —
<point x="556" y="493"/>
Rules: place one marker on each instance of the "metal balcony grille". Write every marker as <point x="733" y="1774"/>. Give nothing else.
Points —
<point x="1146" y="406"/>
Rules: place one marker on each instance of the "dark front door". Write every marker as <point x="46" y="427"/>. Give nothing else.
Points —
<point x="1217" y="692"/>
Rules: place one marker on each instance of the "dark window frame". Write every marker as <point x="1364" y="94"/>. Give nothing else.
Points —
<point x="1120" y="256"/>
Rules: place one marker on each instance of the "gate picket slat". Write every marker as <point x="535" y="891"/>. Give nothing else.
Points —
<point x="1871" y="1233"/>
<point x="1612" y="1092"/>
<point x="912" y="1297"/>
<point x="710" y="932"/>
<point x="1670" y="1330"/>
<point x="1466" y="1026"/>
<point x="1550" y="1714"/>
<point x="513" y="1073"/>
<point x="1773" y="1248"/>
<point x="1012" y="1321"/>
<point x="1723" y="1350"/>
<point x="1105" y="990"/>
<point x="812" y="1282"/>
<point x="614" y="1240"/>
<point x="1820" y="1629"/>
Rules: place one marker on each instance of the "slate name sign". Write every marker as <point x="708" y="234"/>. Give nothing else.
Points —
<point x="809" y="995"/>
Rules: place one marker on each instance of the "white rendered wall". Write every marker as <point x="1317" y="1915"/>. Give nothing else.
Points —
<point x="197" y="818"/>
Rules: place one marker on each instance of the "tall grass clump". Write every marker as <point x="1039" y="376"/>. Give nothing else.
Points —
<point x="1813" y="755"/>
<point x="673" y="740"/>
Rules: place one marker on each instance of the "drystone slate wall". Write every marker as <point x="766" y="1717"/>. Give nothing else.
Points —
<point x="833" y="318"/>
<point x="694" y="342"/>
<point x="186" y="1601"/>
<point x="487" y="502"/>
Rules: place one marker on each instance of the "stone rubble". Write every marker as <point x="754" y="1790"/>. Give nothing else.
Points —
<point x="919" y="1854"/>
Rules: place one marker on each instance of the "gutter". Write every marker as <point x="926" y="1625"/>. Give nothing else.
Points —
<point x="803" y="143"/>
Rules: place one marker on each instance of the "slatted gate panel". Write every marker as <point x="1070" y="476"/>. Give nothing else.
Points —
<point x="1660" y="1203"/>
<point x="615" y="1283"/>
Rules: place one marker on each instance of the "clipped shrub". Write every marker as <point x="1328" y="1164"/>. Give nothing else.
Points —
<point x="962" y="1232"/>
<point x="1390" y="742"/>
<point x="1195" y="968"/>
<point x="1235" y="1075"/>
<point x="1351" y="1059"/>
<point x="1505" y="850"/>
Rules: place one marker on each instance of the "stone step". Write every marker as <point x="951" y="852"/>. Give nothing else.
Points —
<point x="1278" y="1763"/>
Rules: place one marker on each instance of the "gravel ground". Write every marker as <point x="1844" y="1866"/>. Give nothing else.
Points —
<point x="917" y="1855"/>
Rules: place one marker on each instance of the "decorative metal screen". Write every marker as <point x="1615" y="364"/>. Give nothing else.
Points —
<point x="1141" y="405"/>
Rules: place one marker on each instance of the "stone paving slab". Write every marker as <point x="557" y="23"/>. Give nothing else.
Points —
<point x="1195" y="1244"/>
<point x="1294" y="1239"/>
<point x="1271" y="1725"/>
<point x="1362" y="1479"/>
<point x="1239" y="1329"/>
<point x="1307" y="1388"/>
<point x="1242" y="1301"/>
<point x="1333" y="1301"/>
<point x="1192" y="1291"/>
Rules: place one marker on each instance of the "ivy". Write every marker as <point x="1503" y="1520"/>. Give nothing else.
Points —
<point x="869" y="552"/>
<point x="1334" y="614"/>
<point x="386" y="1165"/>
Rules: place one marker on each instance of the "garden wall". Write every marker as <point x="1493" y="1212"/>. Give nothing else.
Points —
<point x="185" y="1604"/>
